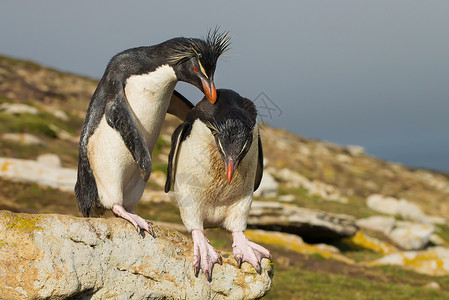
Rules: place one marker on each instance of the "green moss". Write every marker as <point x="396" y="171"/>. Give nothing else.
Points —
<point x="24" y="224"/>
<point x="2" y="243"/>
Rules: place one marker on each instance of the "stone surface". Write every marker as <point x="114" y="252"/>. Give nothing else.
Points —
<point x="411" y="236"/>
<point x="355" y="150"/>
<point x="433" y="261"/>
<point x="63" y="134"/>
<point x="33" y="171"/>
<point x="363" y="241"/>
<point x="58" y="257"/>
<point x="401" y="208"/>
<point x="315" y="187"/>
<point x="380" y="224"/>
<point x="18" y="108"/>
<point x="268" y="187"/>
<point x="296" y="243"/>
<point x="49" y="159"/>
<point x="313" y="225"/>
<point x="23" y="138"/>
<point x="156" y="196"/>
<point x="382" y="204"/>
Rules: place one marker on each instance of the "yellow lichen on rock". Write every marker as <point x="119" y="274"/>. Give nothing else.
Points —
<point x="24" y="223"/>
<point x="363" y="241"/>
<point x="294" y="243"/>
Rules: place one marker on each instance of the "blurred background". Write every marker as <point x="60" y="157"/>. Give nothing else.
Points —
<point x="354" y="202"/>
<point x="369" y="73"/>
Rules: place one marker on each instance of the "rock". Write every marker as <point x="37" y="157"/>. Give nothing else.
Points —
<point x="18" y="108"/>
<point x="268" y="187"/>
<point x="386" y="205"/>
<point x="343" y="158"/>
<point x="411" y="211"/>
<point x="287" y="198"/>
<point x="49" y="159"/>
<point x="312" y="225"/>
<point x="296" y="243"/>
<point x="361" y="240"/>
<point x="23" y="138"/>
<point x="32" y="171"/>
<point x="406" y="235"/>
<point x="156" y="197"/>
<point x="60" y="114"/>
<point x="380" y="224"/>
<point x="411" y="236"/>
<point x="355" y="150"/>
<point x="316" y="187"/>
<point x="433" y="261"/>
<point x="437" y="240"/>
<point x="59" y="257"/>
<point x="63" y="134"/>
<point x="433" y="285"/>
<point x="401" y="208"/>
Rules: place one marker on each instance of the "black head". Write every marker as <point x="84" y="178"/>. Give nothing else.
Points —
<point x="194" y="60"/>
<point x="233" y="135"/>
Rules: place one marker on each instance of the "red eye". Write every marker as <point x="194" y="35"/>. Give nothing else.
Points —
<point x="195" y="69"/>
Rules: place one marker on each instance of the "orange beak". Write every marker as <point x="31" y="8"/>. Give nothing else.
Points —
<point x="230" y="170"/>
<point x="209" y="90"/>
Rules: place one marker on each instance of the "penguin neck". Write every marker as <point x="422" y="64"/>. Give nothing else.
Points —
<point x="148" y="96"/>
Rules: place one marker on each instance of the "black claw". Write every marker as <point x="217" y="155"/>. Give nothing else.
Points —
<point x="150" y="229"/>
<point x="220" y="260"/>
<point x="208" y="275"/>
<point x="239" y="261"/>
<point x="258" y="269"/>
<point x="196" y="270"/>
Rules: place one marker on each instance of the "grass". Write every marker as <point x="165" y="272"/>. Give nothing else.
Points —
<point x="443" y="232"/>
<point x="38" y="124"/>
<point x="32" y="198"/>
<point x="27" y="123"/>
<point x="292" y="283"/>
<point x="356" y="206"/>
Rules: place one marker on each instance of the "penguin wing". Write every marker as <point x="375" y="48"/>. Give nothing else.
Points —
<point x="176" y="140"/>
<point x="120" y="117"/>
<point x="259" y="170"/>
<point x="179" y="106"/>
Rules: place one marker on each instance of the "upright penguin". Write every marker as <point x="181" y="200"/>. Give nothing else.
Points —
<point x="215" y="164"/>
<point x="125" y="115"/>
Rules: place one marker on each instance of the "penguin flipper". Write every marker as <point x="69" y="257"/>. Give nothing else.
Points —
<point x="120" y="117"/>
<point x="176" y="139"/>
<point x="179" y="106"/>
<point x="259" y="170"/>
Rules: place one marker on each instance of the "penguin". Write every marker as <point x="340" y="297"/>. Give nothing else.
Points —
<point x="215" y="164"/>
<point x="125" y="116"/>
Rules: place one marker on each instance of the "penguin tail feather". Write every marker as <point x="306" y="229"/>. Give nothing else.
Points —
<point x="86" y="190"/>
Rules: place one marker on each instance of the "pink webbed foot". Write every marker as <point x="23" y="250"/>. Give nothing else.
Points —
<point x="246" y="251"/>
<point x="204" y="255"/>
<point x="137" y="221"/>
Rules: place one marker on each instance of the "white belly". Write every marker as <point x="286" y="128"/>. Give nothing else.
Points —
<point x="148" y="96"/>
<point x="201" y="189"/>
<point x="115" y="171"/>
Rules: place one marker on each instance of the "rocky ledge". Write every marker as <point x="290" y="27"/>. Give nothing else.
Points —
<point x="57" y="256"/>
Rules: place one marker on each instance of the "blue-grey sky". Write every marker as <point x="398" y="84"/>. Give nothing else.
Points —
<point x="370" y="73"/>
